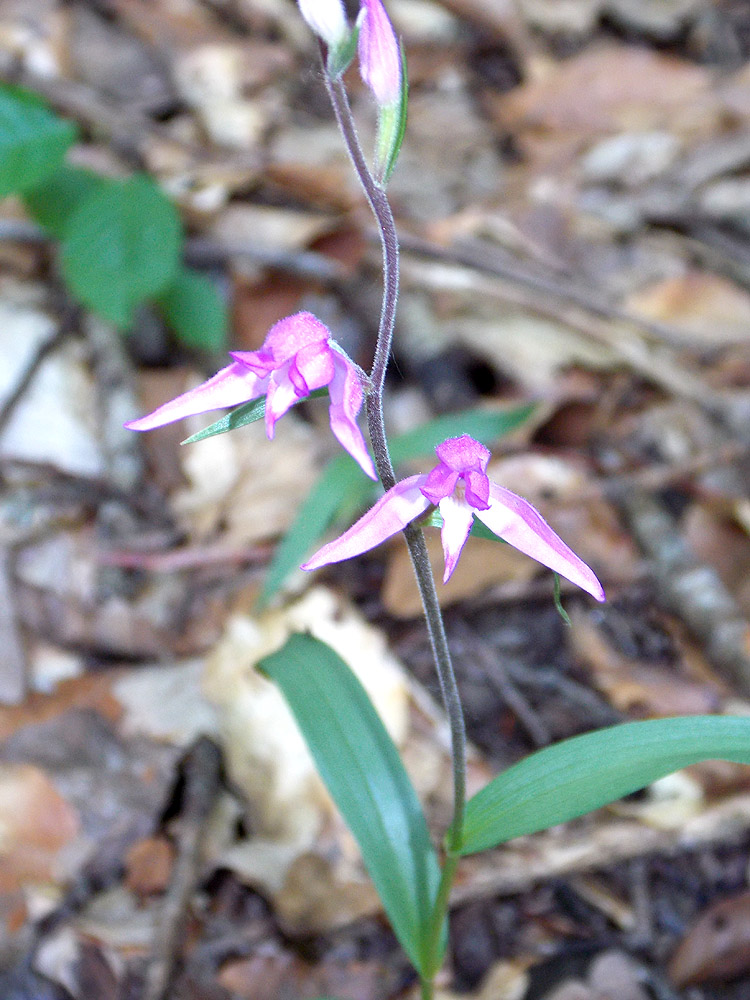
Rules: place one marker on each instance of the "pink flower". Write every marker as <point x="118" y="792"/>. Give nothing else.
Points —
<point x="327" y="19"/>
<point x="298" y="356"/>
<point x="460" y="488"/>
<point x="379" y="53"/>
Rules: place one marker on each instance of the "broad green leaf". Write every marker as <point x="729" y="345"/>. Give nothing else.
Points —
<point x="121" y="247"/>
<point x="248" y="413"/>
<point x="362" y="770"/>
<point x="33" y="140"/>
<point x="571" y="778"/>
<point x="342" y="491"/>
<point x="196" y="312"/>
<point x="52" y="202"/>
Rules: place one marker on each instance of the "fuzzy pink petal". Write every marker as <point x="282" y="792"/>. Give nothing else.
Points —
<point x="440" y="482"/>
<point x="346" y="401"/>
<point x="457" y="520"/>
<point x="232" y="385"/>
<point x="400" y="505"/>
<point x="514" y="520"/>
<point x="291" y="334"/>
<point x="463" y="454"/>
<point x="312" y="368"/>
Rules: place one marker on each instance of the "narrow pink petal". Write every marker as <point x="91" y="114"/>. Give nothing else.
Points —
<point x="232" y="385"/>
<point x="346" y="401"/>
<point x="260" y="362"/>
<point x="400" y="505"/>
<point x="513" y="519"/>
<point x="457" y="520"/>
<point x="281" y="396"/>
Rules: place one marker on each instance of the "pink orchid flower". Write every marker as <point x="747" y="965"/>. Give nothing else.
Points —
<point x="379" y="53"/>
<point x="460" y="488"/>
<point x="297" y="357"/>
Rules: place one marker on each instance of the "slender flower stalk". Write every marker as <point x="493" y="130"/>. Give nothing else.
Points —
<point x="376" y="425"/>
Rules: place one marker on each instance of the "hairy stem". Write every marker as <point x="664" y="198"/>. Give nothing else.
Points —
<point x="414" y="537"/>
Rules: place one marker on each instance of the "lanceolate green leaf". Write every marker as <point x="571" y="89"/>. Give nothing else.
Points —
<point x="362" y="770"/>
<point x="248" y="413"/>
<point x="573" y="777"/>
<point x="33" y="140"/>
<point x="121" y="246"/>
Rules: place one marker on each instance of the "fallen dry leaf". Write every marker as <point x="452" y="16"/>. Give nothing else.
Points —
<point x="36" y="823"/>
<point x="717" y="946"/>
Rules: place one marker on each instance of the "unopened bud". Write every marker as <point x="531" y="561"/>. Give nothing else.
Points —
<point x="379" y="53"/>
<point x="327" y="19"/>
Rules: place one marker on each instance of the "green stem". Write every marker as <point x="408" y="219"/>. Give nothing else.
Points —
<point x="415" y="540"/>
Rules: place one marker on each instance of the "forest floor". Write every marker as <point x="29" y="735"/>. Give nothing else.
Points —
<point x="573" y="201"/>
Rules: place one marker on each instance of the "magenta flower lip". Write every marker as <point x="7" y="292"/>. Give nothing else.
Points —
<point x="459" y="486"/>
<point x="297" y="357"/>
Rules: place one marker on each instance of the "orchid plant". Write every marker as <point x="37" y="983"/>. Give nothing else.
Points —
<point x="355" y="755"/>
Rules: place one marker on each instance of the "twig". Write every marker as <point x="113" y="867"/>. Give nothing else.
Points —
<point x="690" y="589"/>
<point x="202" y="772"/>
<point x="12" y="657"/>
<point x="67" y="326"/>
<point x="493" y="668"/>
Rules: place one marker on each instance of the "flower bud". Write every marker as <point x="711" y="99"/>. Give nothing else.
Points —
<point x="379" y="54"/>
<point x="327" y="19"/>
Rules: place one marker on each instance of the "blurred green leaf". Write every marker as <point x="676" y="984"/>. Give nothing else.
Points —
<point x="52" y="202"/>
<point x="484" y="425"/>
<point x="362" y="770"/>
<point x="341" y="486"/>
<point x="33" y="140"/>
<point x="196" y="312"/>
<point x="571" y="778"/>
<point x="121" y="247"/>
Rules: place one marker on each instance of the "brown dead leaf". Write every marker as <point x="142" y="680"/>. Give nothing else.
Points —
<point x="36" y="823"/>
<point x="148" y="866"/>
<point x="626" y="88"/>
<point x="482" y="564"/>
<point x="705" y="307"/>
<point x="644" y="689"/>
<point x="717" y="946"/>
<point x="243" y="485"/>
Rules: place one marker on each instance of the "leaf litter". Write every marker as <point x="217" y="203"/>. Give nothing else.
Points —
<point x="582" y="241"/>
